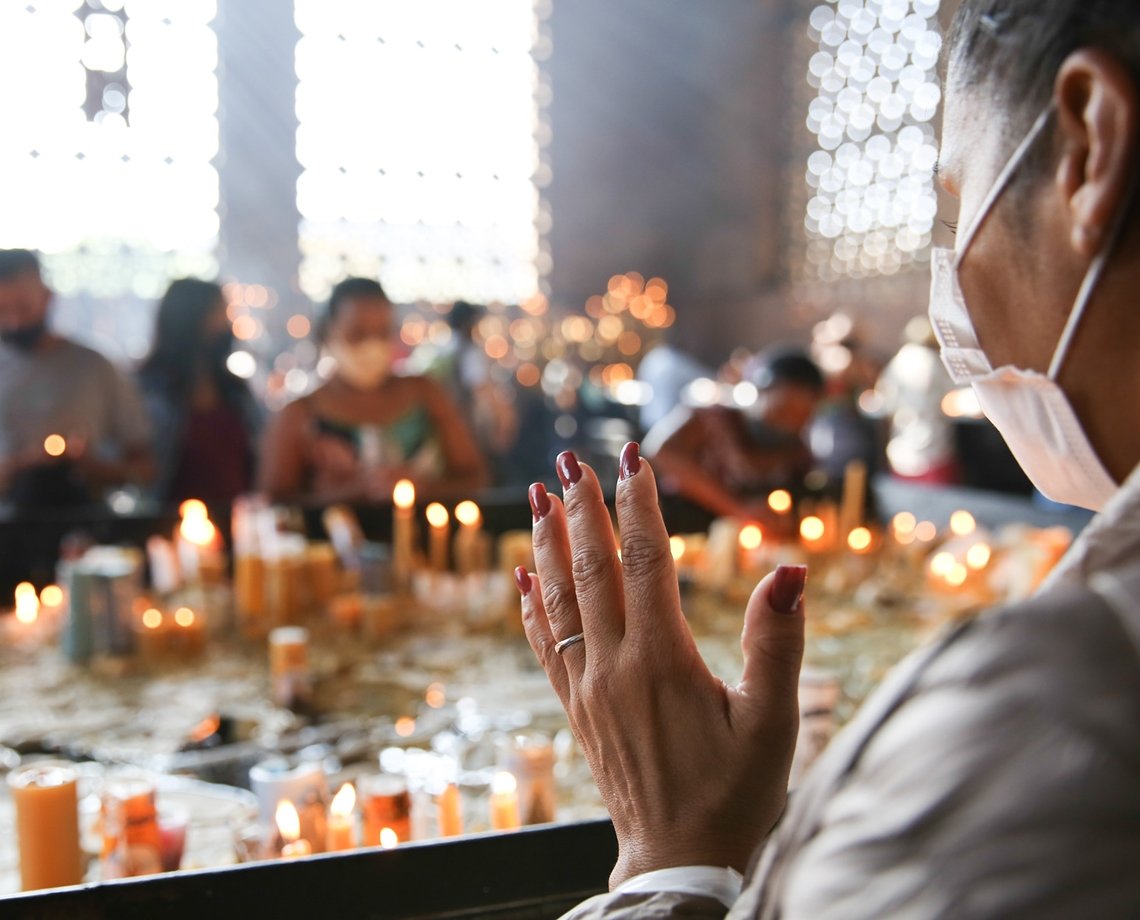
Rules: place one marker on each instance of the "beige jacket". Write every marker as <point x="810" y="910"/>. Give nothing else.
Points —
<point x="995" y="773"/>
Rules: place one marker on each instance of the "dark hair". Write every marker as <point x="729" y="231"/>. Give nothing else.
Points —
<point x="782" y="364"/>
<point x="1014" y="48"/>
<point x="353" y="287"/>
<point x="175" y="356"/>
<point x="17" y="262"/>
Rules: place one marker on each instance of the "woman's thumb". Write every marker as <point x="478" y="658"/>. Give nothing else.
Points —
<point x="773" y="638"/>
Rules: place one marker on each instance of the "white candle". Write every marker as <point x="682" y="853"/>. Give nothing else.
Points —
<point x="342" y="832"/>
<point x="439" y="521"/>
<point x="403" y="532"/>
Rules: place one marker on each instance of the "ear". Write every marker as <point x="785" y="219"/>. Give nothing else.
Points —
<point x="1097" y="117"/>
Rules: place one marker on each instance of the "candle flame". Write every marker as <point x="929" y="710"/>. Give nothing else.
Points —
<point x="51" y="596"/>
<point x="184" y="616"/>
<point x="962" y="523"/>
<point x="192" y="508"/>
<point x="957" y="575"/>
<point x="152" y="619"/>
<point x="504" y="783"/>
<point x="405" y="725"/>
<point x="468" y="514"/>
<point x="812" y="528"/>
<point x="344" y="801"/>
<point x="198" y="530"/>
<point x="27" y="608"/>
<point x="404" y="494"/>
<point x="978" y="556"/>
<point x="437" y="515"/>
<point x="904" y="523"/>
<point x="55" y="445"/>
<point x="942" y="564"/>
<point x="780" y="501"/>
<point x="859" y="539"/>
<point x="388" y="838"/>
<point x="288" y="821"/>
<point x="925" y="532"/>
<point x="25" y="589"/>
<point x="751" y="537"/>
<point x="677" y="547"/>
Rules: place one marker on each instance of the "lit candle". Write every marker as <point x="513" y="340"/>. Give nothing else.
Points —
<point x="47" y="825"/>
<point x="962" y="523"/>
<point x="289" y="827"/>
<point x="860" y="540"/>
<point x="342" y="830"/>
<point x="55" y="445"/>
<point x="199" y="543"/>
<point x="389" y="838"/>
<point x="854" y="496"/>
<point x="403" y="533"/>
<point x="153" y="635"/>
<point x="471" y="548"/>
<point x="387" y="807"/>
<point x="439" y="521"/>
<point x="780" y="501"/>
<point x="188" y="635"/>
<point x="813" y="531"/>
<point x="27" y="612"/>
<point x="751" y="538"/>
<point x="504" y="802"/>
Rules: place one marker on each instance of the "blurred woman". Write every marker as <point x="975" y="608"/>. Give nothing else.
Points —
<point x="203" y="418"/>
<point x="366" y="428"/>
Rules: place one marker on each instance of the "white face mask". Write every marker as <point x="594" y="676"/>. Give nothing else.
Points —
<point x="1029" y="409"/>
<point x="364" y="365"/>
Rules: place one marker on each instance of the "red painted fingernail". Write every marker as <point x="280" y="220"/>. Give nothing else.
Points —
<point x="630" y="461"/>
<point x="568" y="469"/>
<point x="539" y="501"/>
<point x="522" y="579"/>
<point x="787" y="588"/>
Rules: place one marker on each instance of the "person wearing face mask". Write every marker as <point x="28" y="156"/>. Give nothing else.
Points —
<point x="204" y="418"/>
<point x="996" y="771"/>
<point x="71" y="426"/>
<point x="366" y="428"/>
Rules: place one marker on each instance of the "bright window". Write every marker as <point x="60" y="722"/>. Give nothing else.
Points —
<point x="871" y="204"/>
<point x="419" y="145"/>
<point x="110" y="130"/>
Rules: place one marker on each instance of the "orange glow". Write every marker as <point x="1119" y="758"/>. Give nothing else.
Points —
<point x="942" y="564"/>
<point x="528" y="375"/>
<point x="436" y="696"/>
<point x="468" y="514"/>
<point x="184" y="617"/>
<point x="677" y="547"/>
<point x="27" y="607"/>
<point x="198" y="531"/>
<point x="962" y="523"/>
<point x="978" y="556"/>
<point x="206" y="727"/>
<point x="245" y="328"/>
<point x="497" y="347"/>
<point x="51" y="596"/>
<point x="404" y="494"/>
<point x="629" y="343"/>
<point x="595" y="307"/>
<point x="751" y="537"/>
<point x="956" y="577"/>
<point x="288" y="821"/>
<point x="25" y="589"/>
<point x="152" y="619"/>
<point x="812" y="529"/>
<point x="656" y="289"/>
<point x="925" y="532"/>
<point x="780" y="501"/>
<point x="55" y="445"/>
<point x="388" y="838"/>
<point x="192" y="508"/>
<point x="904" y="523"/>
<point x="344" y="801"/>
<point x="437" y="515"/>
<point x="859" y="539"/>
<point x="298" y="326"/>
<point x="405" y="726"/>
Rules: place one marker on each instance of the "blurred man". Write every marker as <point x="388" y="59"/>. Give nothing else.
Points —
<point x="71" y="425"/>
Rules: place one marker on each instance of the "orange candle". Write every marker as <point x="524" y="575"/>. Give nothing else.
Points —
<point x="342" y="830"/>
<point x="403" y="533"/>
<point x="289" y="827"/>
<point x="386" y="806"/>
<point x="439" y="522"/>
<point x="47" y="825"/>
<point x="132" y="842"/>
<point x="450" y="812"/>
<point x="504" y="802"/>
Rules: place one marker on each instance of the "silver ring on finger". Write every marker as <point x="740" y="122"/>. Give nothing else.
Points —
<point x="560" y="647"/>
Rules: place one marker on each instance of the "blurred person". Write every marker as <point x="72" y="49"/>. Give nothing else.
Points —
<point x="996" y="772"/>
<point x="366" y="427"/>
<point x="910" y="391"/>
<point x="204" y="419"/>
<point x="71" y="425"/>
<point x="724" y="458"/>
<point x="465" y="370"/>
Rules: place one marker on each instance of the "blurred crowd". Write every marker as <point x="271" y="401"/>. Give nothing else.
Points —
<point x="74" y="428"/>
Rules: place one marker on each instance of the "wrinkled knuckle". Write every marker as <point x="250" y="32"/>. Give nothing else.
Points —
<point x="642" y="555"/>
<point x="590" y="563"/>
<point x="559" y="599"/>
<point x="544" y="651"/>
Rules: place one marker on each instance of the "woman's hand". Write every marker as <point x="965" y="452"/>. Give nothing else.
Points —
<point x="693" y="772"/>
